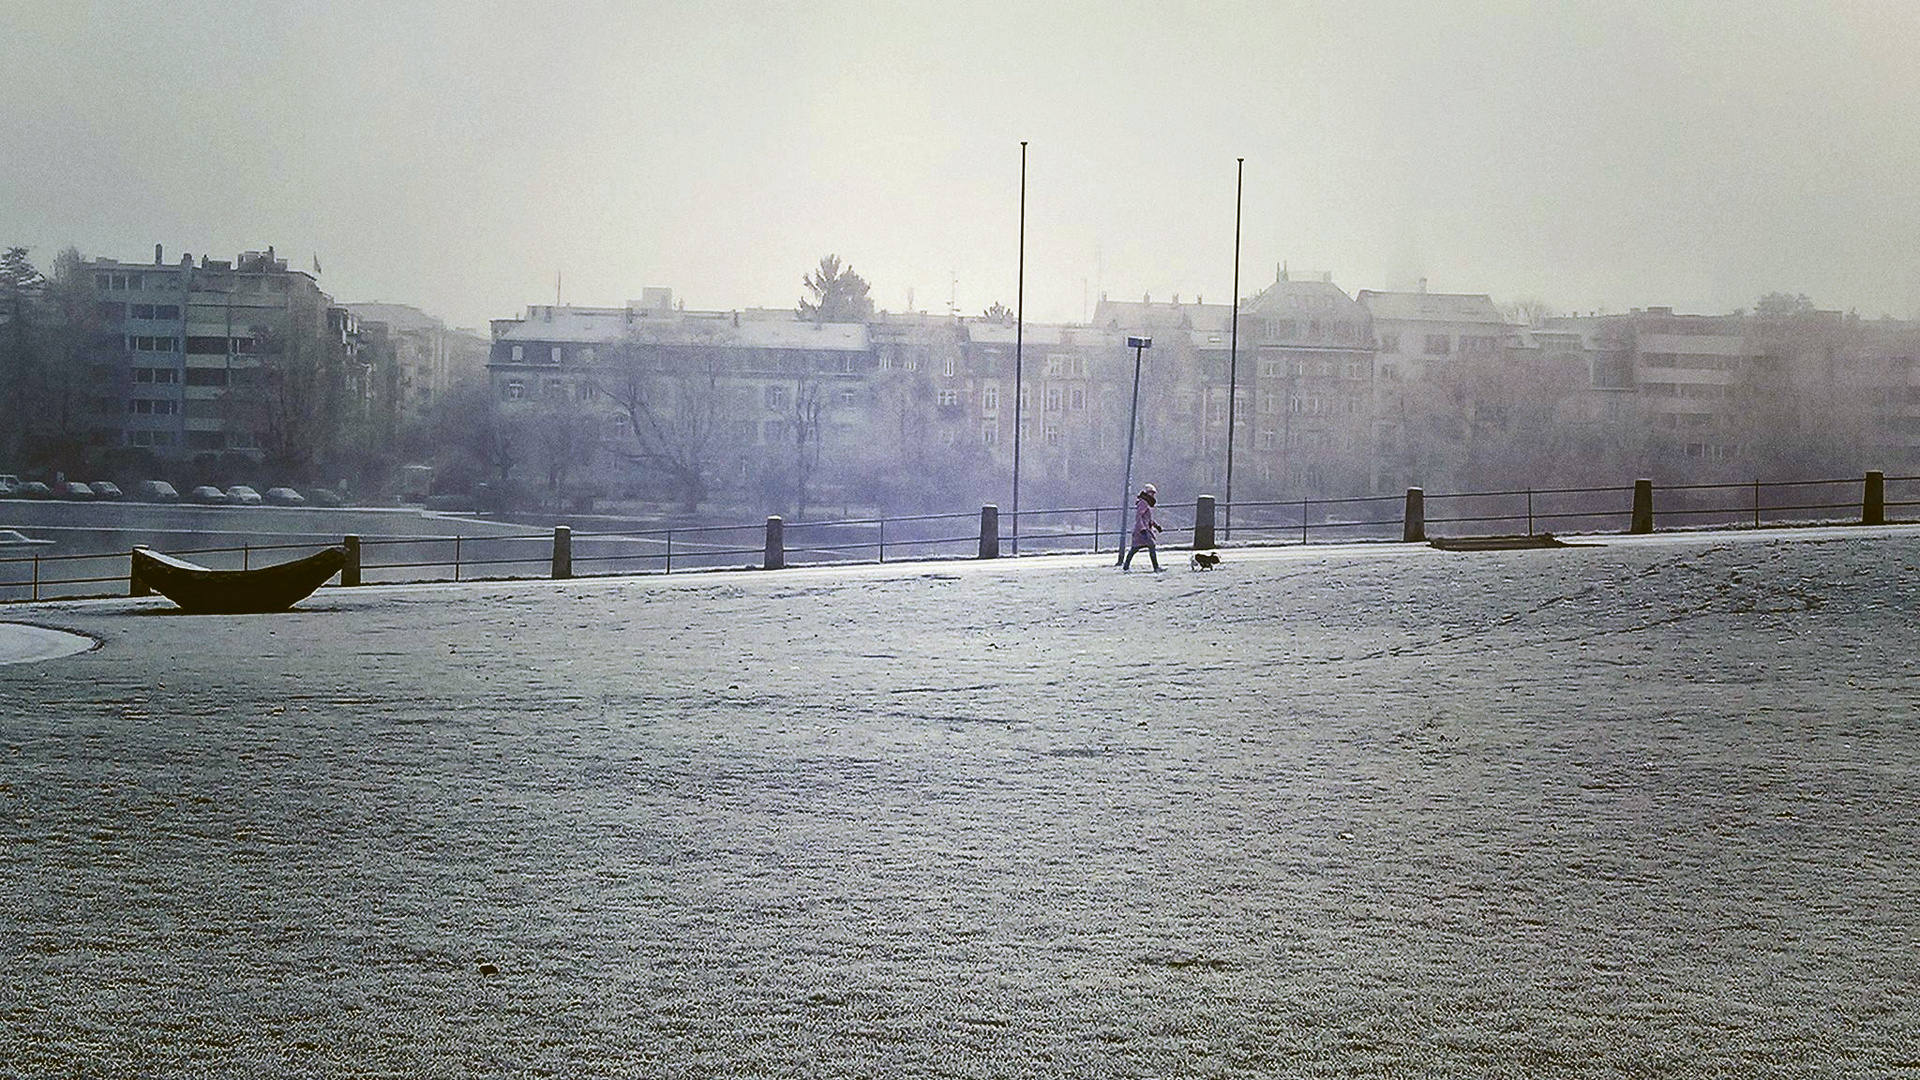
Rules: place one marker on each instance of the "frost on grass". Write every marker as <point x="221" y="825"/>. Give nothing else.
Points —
<point x="1636" y="810"/>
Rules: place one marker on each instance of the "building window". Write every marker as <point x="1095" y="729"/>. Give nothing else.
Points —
<point x="519" y="353"/>
<point x="557" y="388"/>
<point x="949" y="397"/>
<point x="1269" y="440"/>
<point x="1390" y="342"/>
<point x="555" y="354"/>
<point x="1052" y="434"/>
<point x="990" y="398"/>
<point x="1077" y="399"/>
<point x="515" y="390"/>
<point x="1438" y="345"/>
<point x="1053" y="398"/>
<point x="847" y="399"/>
<point x="776" y="397"/>
<point x="990" y="433"/>
<point x="773" y="430"/>
<point x="206" y="376"/>
<point x="947" y="366"/>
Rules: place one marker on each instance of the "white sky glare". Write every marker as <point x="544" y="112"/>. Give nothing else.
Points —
<point x="457" y="155"/>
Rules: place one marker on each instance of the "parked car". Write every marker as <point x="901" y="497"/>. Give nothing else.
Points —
<point x="208" y="495"/>
<point x="74" y="490"/>
<point x="33" y="489"/>
<point x="285" y="496"/>
<point x="9" y="484"/>
<point x="242" y="495"/>
<point x="106" y="489"/>
<point x="155" y="491"/>
<point x="323" y="497"/>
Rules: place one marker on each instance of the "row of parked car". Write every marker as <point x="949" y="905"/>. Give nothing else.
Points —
<point x="159" y="491"/>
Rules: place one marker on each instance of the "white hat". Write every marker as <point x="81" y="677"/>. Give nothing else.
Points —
<point x="1151" y="488"/>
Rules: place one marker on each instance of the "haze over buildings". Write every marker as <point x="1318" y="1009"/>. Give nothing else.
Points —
<point x="462" y="156"/>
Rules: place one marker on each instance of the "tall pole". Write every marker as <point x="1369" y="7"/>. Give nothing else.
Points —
<point x="1233" y="347"/>
<point x="1133" y="424"/>
<point x="1019" y="326"/>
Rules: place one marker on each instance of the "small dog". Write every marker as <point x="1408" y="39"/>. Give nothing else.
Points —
<point x="1203" y="560"/>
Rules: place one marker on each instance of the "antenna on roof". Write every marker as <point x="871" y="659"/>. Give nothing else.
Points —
<point x="556" y="288"/>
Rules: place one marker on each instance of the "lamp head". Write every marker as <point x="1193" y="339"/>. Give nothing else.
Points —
<point x="1139" y="342"/>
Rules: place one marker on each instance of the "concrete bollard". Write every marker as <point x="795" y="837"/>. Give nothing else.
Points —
<point x="1642" y="507"/>
<point x="1873" y="504"/>
<point x="989" y="531"/>
<point x="776" y="556"/>
<point x="350" y="573"/>
<point x="136" y="585"/>
<point x="562" y="552"/>
<point x="1203" y="523"/>
<point x="1413" y="528"/>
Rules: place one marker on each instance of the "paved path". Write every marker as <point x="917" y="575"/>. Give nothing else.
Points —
<point x="1645" y="809"/>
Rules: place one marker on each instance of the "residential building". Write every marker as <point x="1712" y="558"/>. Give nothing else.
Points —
<point x="182" y="351"/>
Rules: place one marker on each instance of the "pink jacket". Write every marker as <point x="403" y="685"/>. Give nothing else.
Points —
<point x="1143" y="523"/>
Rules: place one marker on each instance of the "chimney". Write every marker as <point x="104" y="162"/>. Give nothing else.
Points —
<point x="1423" y="284"/>
<point x="1280" y="272"/>
<point x="156" y="255"/>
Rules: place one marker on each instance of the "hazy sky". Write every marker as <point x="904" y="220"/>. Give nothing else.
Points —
<point x="455" y="155"/>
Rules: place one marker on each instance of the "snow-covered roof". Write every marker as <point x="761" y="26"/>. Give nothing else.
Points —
<point x="598" y="326"/>
<point x="1431" y="307"/>
<point x="993" y="333"/>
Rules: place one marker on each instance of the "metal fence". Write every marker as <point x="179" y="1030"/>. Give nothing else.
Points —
<point x="40" y="575"/>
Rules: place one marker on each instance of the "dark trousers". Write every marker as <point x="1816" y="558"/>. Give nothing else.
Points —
<point x="1142" y="539"/>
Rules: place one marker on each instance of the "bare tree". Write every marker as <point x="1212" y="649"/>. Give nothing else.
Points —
<point x="674" y="402"/>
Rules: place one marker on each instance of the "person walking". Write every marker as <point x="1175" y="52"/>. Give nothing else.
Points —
<point x="1144" y="528"/>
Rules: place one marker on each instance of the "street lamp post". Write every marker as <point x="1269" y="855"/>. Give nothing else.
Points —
<point x="1233" y="348"/>
<point x="1019" y="326"/>
<point x="1139" y="345"/>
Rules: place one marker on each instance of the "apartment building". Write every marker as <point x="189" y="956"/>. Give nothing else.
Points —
<point x="177" y="368"/>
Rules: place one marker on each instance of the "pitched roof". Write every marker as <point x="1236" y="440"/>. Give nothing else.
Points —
<point x="1431" y="307"/>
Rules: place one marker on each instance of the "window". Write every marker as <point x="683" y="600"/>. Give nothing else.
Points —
<point x="773" y="430"/>
<point x="949" y="398"/>
<point x="990" y="433"/>
<point x="206" y="440"/>
<point x="1390" y="342"/>
<point x="1269" y="440"/>
<point x="555" y="357"/>
<point x="140" y="311"/>
<point x="847" y="399"/>
<point x="1438" y="345"/>
<point x="519" y="353"/>
<point x="556" y="388"/>
<point x="1216" y="411"/>
<point x="1077" y="399"/>
<point x="947" y="366"/>
<point x="1053" y="399"/>
<point x="1052" y="434"/>
<point x="515" y="389"/>
<point x="206" y="376"/>
<point x="147" y="407"/>
<point x="206" y="346"/>
<point x="165" y="312"/>
<point x="776" y="397"/>
<point x="990" y="399"/>
<point x="1270" y="369"/>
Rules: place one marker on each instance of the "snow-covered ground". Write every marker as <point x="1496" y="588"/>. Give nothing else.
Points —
<point x="1650" y="808"/>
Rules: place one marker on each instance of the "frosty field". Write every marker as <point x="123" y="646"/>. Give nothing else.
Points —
<point x="1650" y="808"/>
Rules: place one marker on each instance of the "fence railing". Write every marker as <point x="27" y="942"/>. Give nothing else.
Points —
<point x="1417" y="515"/>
